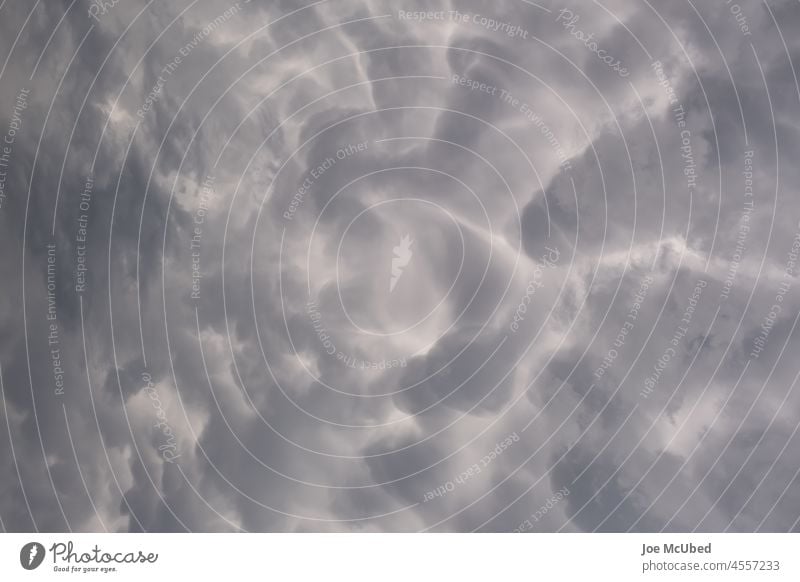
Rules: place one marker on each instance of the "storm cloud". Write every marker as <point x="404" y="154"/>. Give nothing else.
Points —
<point x="361" y="266"/>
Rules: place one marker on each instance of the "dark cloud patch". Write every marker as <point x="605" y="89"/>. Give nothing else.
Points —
<point x="225" y="370"/>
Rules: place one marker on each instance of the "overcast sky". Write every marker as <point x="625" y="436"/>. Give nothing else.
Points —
<point x="349" y="266"/>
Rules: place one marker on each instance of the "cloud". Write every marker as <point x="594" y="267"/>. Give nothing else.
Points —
<point x="603" y="267"/>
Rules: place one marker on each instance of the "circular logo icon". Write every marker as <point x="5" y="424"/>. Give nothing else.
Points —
<point x="31" y="555"/>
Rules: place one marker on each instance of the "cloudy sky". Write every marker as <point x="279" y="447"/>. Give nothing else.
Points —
<point x="351" y="265"/>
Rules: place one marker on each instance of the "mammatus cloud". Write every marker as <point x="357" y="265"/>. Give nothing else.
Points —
<point x="358" y="266"/>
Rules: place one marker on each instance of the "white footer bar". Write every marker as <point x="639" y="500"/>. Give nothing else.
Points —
<point x="406" y="557"/>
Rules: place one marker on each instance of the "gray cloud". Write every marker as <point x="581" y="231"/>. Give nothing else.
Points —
<point x="346" y="270"/>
